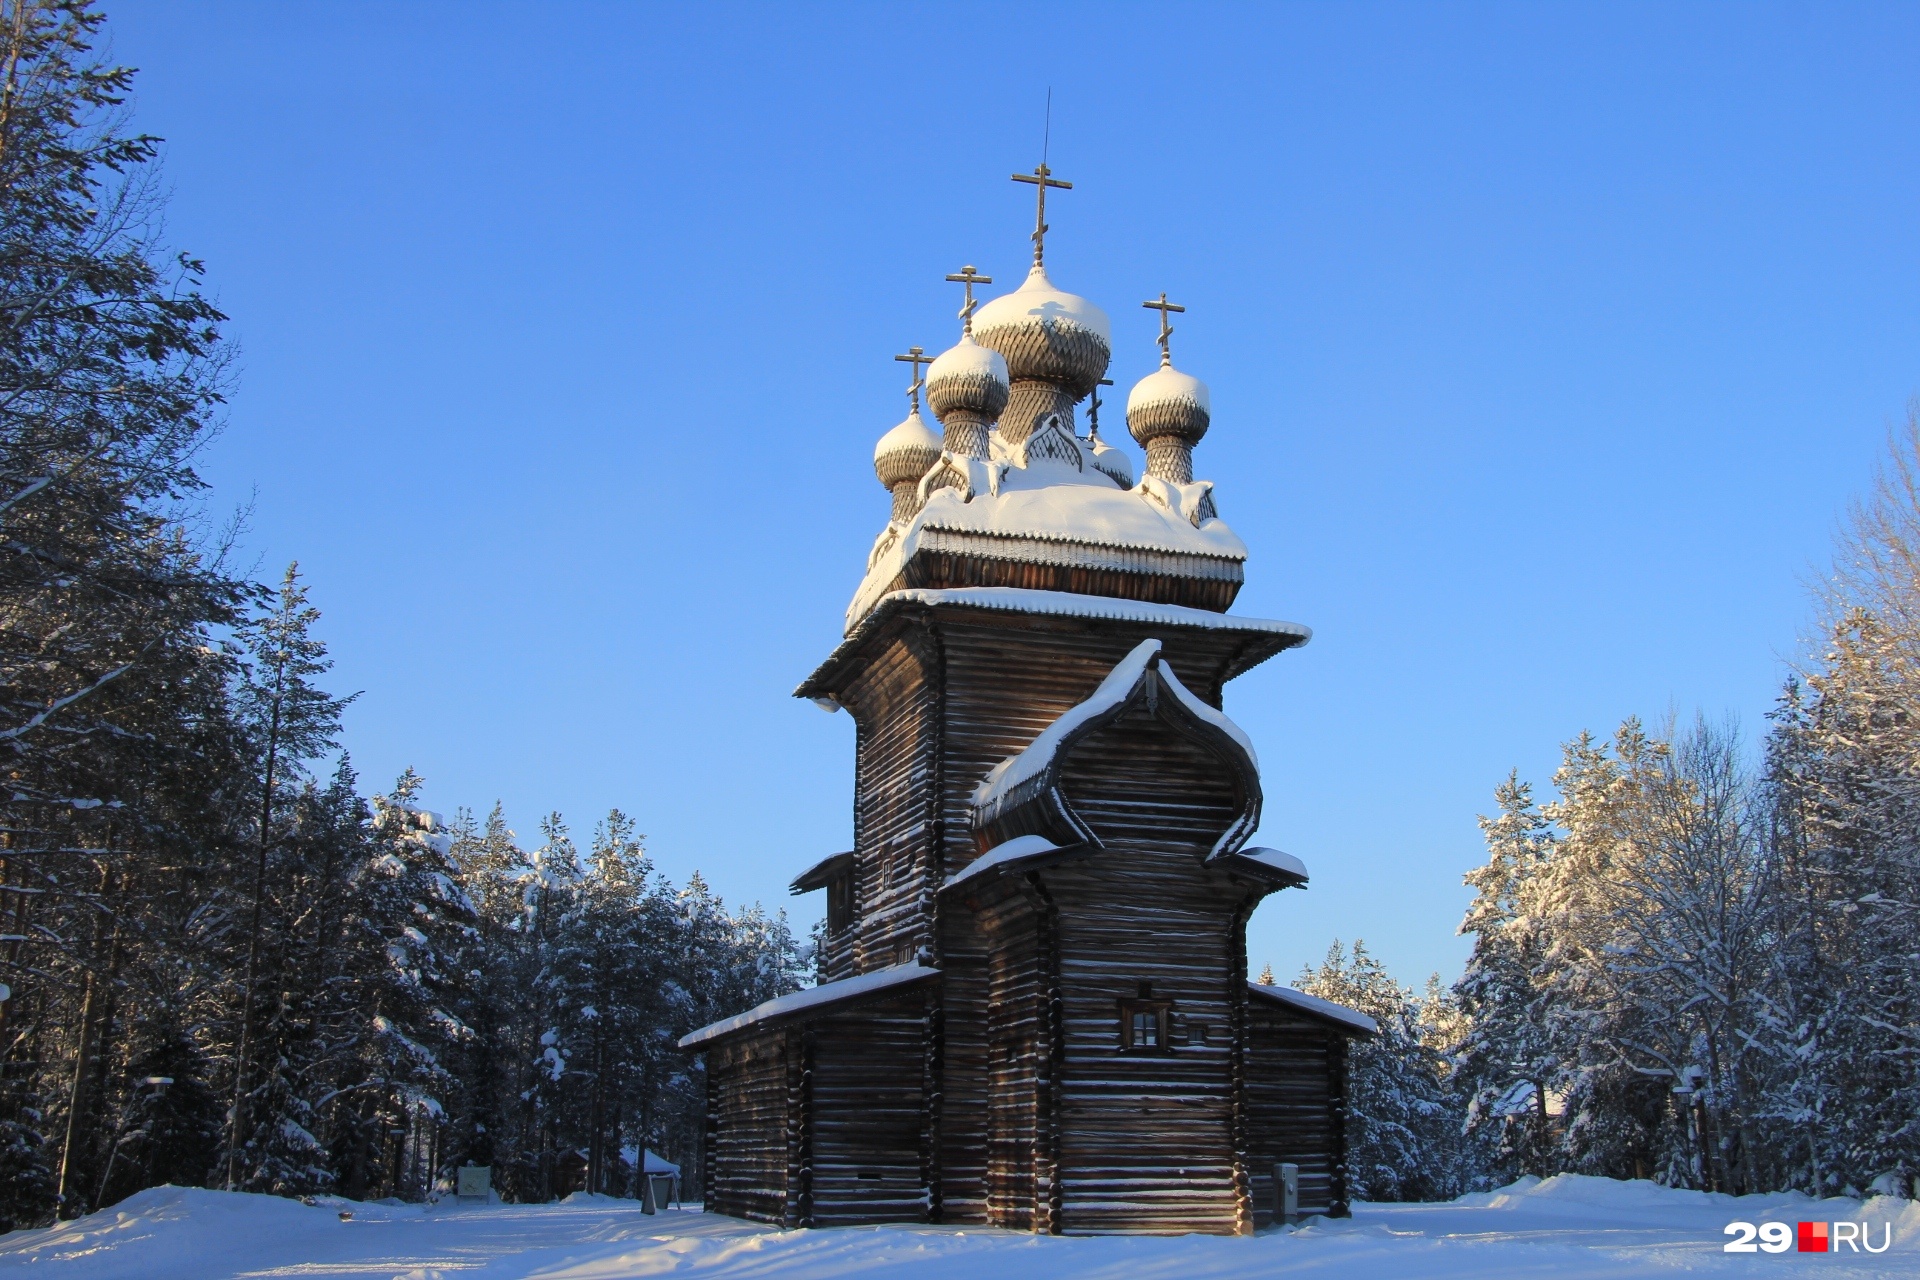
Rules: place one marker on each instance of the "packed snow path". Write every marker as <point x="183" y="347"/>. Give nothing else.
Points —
<point x="1569" y="1228"/>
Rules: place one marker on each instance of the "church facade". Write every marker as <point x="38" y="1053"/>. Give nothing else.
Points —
<point x="1034" y="1010"/>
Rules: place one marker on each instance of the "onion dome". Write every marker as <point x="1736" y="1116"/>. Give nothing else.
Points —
<point x="1112" y="463"/>
<point x="907" y="452"/>
<point x="1167" y="412"/>
<point x="1047" y="335"/>
<point x="970" y="378"/>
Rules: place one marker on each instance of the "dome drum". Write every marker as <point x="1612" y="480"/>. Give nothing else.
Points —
<point x="1030" y="404"/>
<point x="1170" y="458"/>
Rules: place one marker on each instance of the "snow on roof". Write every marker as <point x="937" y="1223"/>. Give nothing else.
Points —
<point x="1316" y="1007"/>
<point x="817" y="875"/>
<point x="1038" y="754"/>
<point x="1060" y="604"/>
<point x="1210" y="715"/>
<point x="1278" y="861"/>
<point x="1044" y="512"/>
<point x="912" y="433"/>
<point x="827" y="993"/>
<point x="656" y="1163"/>
<point x="1004" y="779"/>
<point x="968" y="359"/>
<point x="1167" y="385"/>
<point x="1038" y="299"/>
<point x="1017" y="849"/>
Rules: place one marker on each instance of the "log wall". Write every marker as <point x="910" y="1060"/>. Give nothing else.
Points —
<point x="1296" y="1097"/>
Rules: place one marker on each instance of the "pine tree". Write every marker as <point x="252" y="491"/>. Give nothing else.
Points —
<point x="289" y="721"/>
<point x="111" y="373"/>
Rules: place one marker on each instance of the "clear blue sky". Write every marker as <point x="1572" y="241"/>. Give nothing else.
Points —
<point x="1547" y="344"/>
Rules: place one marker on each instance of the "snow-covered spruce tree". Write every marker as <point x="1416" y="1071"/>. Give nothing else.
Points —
<point x="111" y="693"/>
<point x="1846" y="762"/>
<point x="1404" y="1128"/>
<point x="1504" y="1058"/>
<point x="410" y="930"/>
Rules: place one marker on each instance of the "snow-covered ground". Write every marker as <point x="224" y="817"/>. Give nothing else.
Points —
<point x="1570" y="1228"/>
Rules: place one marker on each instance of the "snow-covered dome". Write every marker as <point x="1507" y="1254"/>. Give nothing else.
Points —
<point x="907" y="452"/>
<point x="1168" y="402"/>
<point x="1112" y="463"/>
<point x="970" y="378"/>
<point x="1046" y="334"/>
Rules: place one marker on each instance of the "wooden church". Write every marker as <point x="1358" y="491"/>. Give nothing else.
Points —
<point x="1034" y="1010"/>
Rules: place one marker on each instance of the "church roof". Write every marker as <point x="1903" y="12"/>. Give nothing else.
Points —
<point x="815" y="1000"/>
<point x="1059" y="604"/>
<point x="1028" y="781"/>
<point x="1052" y="512"/>
<point x="1343" y="1018"/>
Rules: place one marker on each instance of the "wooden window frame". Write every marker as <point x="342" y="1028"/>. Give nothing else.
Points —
<point x="1162" y="1011"/>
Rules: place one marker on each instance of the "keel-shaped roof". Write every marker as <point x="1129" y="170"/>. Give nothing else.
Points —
<point x="1023" y="791"/>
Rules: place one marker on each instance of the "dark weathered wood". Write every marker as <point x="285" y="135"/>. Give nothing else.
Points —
<point x="1004" y="1095"/>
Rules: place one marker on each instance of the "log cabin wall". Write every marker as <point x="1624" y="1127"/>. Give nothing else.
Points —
<point x="895" y="702"/>
<point x="748" y="1155"/>
<point x="1296" y="1069"/>
<point x="867" y="1114"/>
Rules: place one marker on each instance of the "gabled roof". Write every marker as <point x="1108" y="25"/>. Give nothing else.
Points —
<point x="1030" y="778"/>
<point x="1341" y="1018"/>
<point x="815" y="1000"/>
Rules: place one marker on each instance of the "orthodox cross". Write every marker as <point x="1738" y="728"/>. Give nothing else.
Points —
<point x="1166" y="330"/>
<point x="1093" y="409"/>
<point x="916" y="356"/>
<point x="1042" y="178"/>
<point x="969" y="277"/>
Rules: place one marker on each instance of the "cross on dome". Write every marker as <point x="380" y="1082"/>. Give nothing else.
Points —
<point x="1093" y="409"/>
<point x="919" y="359"/>
<point x="1166" y="329"/>
<point x="969" y="277"/>
<point x="1042" y="178"/>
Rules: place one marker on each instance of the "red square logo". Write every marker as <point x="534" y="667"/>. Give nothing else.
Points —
<point x="1813" y="1237"/>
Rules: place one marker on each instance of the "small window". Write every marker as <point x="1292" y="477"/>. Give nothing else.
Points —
<point x="1143" y="1026"/>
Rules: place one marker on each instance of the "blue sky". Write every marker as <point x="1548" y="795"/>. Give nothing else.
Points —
<point x="1547" y="345"/>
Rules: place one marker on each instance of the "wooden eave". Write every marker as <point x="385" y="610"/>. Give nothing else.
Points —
<point x="821" y="873"/>
<point x="1244" y="643"/>
<point x="1304" y="1005"/>
<point x="805" y="1005"/>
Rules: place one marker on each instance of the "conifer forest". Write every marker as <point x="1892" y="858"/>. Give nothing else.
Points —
<point x="228" y="962"/>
